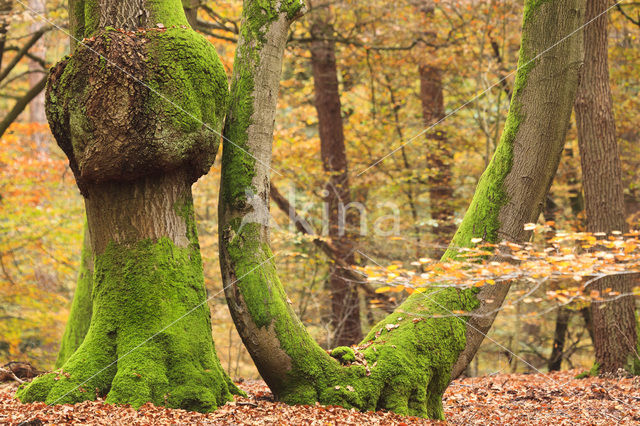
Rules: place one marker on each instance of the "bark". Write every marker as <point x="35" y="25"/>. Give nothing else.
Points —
<point x="135" y="156"/>
<point x="405" y="363"/>
<point x="535" y="131"/>
<point x="614" y="323"/>
<point x="345" y="300"/>
<point x="191" y="10"/>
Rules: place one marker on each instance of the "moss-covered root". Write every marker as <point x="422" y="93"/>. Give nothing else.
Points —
<point x="149" y="338"/>
<point x="403" y="365"/>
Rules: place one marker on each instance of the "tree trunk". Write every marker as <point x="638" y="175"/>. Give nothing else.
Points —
<point x="126" y="118"/>
<point x="345" y="300"/>
<point x="439" y="158"/>
<point x="614" y="323"/>
<point x="439" y="154"/>
<point x="36" y="107"/>
<point x="559" y="337"/>
<point x="5" y="11"/>
<point x="405" y="363"/>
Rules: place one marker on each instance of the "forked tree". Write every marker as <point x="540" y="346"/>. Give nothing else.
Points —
<point x="406" y="361"/>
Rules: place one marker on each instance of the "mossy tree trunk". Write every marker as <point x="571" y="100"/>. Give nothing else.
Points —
<point x="138" y="113"/>
<point x="345" y="299"/>
<point x="81" y="306"/>
<point x="614" y="323"/>
<point x="405" y="363"/>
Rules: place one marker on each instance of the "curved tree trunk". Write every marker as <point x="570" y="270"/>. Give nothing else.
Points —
<point x="614" y="323"/>
<point x="405" y="363"/>
<point x="345" y="300"/>
<point x="138" y="115"/>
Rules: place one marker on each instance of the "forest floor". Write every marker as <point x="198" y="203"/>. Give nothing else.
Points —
<point x="523" y="399"/>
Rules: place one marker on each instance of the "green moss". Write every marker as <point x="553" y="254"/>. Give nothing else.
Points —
<point x="187" y="72"/>
<point x="150" y="334"/>
<point x="81" y="307"/>
<point x="167" y="12"/>
<point x="344" y="354"/>
<point x="593" y="372"/>
<point x="91" y="17"/>
<point x="408" y="366"/>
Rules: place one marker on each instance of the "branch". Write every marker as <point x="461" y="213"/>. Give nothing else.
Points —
<point x="24" y="50"/>
<point x="218" y="36"/>
<point x="21" y="105"/>
<point x="501" y="75"/>
<point x="214" y="26"/>
<point x="29" y="55"/>
<point x="221" y="20"/>
<point x="6" y="372"/>
<point x="332" y="253"/>
<point x="634" y="21"/>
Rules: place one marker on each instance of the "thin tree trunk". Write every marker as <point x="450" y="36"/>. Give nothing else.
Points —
<point x="135" y="156"/>
<point x="36" y="107"/>
<point x="405" y="363"/>
<point x="614" y="323"/>
<point x="345" y="300"/>
<point x="327" y="248"/>
<point x="439" y="158"/>
<point x="439" y="154"/>
<point x="559" y="337"/>
<point x="5" y="12"/>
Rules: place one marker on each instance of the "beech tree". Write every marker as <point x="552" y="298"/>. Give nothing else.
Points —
<point x="439" y="154"/>
<point x="406" y="361"/>
<point x="345" y="299"/>
<point x="614" y="322"/>
<point x="138" y="110"/>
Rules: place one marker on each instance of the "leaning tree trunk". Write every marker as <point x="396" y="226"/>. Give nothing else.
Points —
<point x="405" y="363"/>
<point x="138" y="109"/>
<point x="614" y="323"/>
<point x="345" y="300"/>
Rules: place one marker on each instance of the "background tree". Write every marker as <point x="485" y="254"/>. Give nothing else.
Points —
<point x="614" y="322"/>
<point x="345" y="300"/>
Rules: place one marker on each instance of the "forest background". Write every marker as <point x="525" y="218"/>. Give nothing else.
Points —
<point x="383" y="54"/>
